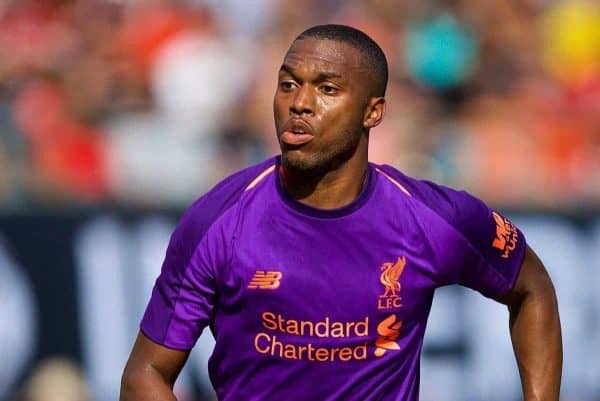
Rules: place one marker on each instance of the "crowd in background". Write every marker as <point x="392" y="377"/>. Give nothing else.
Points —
<point x="149" y="103"/>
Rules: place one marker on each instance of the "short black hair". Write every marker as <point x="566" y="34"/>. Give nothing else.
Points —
<point x="373" y="55"/>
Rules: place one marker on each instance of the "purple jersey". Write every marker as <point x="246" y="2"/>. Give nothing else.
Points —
<point x="310" y="304"/>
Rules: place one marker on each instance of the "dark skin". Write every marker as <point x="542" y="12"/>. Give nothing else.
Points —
<point x="535" y="330"/>
<point x="324" y="84"/>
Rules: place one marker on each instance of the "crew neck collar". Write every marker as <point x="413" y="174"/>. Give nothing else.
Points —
<point x="357" y="203"/>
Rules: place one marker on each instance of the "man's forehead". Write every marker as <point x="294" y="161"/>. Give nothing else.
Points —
<point x="324" y="53"/>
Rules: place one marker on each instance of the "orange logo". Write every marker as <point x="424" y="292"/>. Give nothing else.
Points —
<point x="390" y="276"/>
<point x="265" y="280"/>
<point x="506" y="235"/>
<point x="389" y="331"/>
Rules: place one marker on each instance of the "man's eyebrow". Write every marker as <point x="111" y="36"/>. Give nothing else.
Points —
<point x="322" y="76"/>
<point x="286" y="68"/>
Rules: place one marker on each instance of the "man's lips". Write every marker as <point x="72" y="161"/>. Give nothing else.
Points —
<point x="297" y="132"/>
<point x="294" y="139"/>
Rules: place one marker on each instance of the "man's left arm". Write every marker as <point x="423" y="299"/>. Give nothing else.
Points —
<point x="496" y="261"/>
<point x="535" y="330"/>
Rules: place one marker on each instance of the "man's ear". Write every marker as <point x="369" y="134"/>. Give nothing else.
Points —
<point x="374" y="112"/>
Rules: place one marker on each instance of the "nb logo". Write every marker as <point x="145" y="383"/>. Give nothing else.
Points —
<point x="265" y="280"/>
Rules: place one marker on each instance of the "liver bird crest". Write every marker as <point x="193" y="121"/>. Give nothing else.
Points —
<point x="390" y="274"/>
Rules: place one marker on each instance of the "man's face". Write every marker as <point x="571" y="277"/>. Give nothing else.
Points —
<point x="320" y="103"/>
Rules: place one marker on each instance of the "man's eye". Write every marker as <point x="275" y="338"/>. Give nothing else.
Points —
<point x="329" y="90"/>
<point x="286" y="85"/>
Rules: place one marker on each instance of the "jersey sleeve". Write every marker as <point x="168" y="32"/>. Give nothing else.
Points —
<point x="490" y="258"/>
<point x="183" y="298"/>
<point x="490" y="249"/>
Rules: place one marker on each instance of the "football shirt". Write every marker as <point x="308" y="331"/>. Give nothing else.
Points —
<point x="312" y="304"/>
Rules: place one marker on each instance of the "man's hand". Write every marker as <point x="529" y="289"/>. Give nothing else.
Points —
<point x="151" y="371"/>
<point x="535" y="330"/>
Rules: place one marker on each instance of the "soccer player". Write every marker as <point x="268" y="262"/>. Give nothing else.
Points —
<point x="315" y="270"/>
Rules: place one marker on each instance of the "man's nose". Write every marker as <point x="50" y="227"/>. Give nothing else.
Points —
<point x="303" y="101"/>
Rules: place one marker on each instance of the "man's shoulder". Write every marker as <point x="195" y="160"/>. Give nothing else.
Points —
<point x="202" y="213"/>
<point x="457" y="207"/>
<point x="232" y="186"/>
<point x="429" y="192"/>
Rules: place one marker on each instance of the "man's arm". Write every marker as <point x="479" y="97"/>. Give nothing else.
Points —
<point x="535" y="330"/>
<point x="151" y="371"/>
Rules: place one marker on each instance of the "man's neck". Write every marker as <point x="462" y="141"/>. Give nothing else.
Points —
<point x="331" y="189"/>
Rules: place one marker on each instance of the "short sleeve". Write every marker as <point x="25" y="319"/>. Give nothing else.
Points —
<point x="182" y="300"/>
<point x="492" y="249"/>
<point x="487" y="249"/>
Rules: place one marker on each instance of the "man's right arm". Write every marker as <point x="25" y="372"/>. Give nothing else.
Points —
<point x="151" y="371"/>
<point x="183" y="298"/>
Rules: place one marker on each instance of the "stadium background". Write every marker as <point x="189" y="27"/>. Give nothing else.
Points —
<point x="114" y="115"/>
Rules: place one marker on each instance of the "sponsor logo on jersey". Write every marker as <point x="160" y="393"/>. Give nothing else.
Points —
<point x="389" y="331"/>
<point x="270" y="280"/>
<point x="390" y="278"/>
<point x="303" y="340"/>
<point x="506" y="235"/>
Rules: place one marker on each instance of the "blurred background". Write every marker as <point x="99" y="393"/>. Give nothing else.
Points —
<point x="116" y="115"/>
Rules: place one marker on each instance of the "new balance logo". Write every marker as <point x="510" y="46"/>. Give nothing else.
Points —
<point x="265" y="280"/>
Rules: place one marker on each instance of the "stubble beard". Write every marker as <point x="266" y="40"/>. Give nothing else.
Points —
<point x="323" y="162"/>
<point x="292" y="160"/>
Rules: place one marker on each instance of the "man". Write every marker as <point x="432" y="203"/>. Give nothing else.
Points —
<point x="316" y="270"/>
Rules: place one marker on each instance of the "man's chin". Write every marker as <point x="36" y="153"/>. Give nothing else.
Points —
<point x="295" y="160"/>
